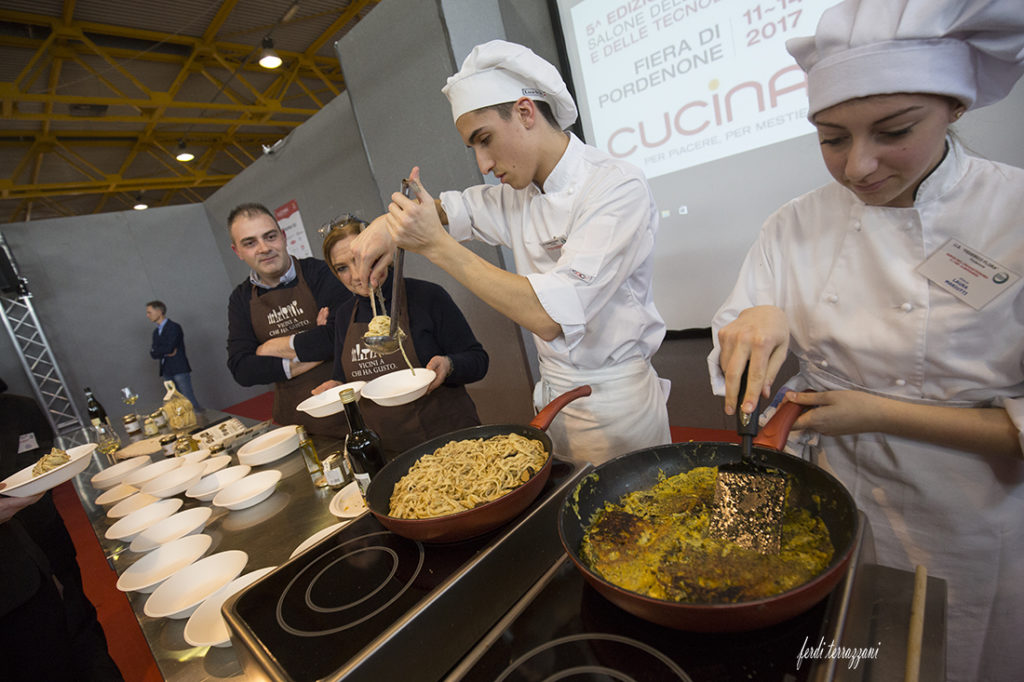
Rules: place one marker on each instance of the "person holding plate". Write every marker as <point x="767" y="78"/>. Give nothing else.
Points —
<point x="436" y="331"/>
<point x="898" y="288"/>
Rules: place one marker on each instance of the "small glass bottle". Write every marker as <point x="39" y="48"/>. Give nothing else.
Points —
<point x="313" y="465"/>
<point x="132" y="425"/>
<point x="149" y="427"/>
<point x="362" y="443"/>
<point x="336" y="471"/>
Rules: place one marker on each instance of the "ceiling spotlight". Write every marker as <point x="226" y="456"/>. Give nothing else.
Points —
<point x="140" y="205"/>
<point x="268" y="57"/>
<point x="184" y="155"/>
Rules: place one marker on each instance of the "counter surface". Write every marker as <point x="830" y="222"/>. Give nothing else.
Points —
<point x="268" y="532"/>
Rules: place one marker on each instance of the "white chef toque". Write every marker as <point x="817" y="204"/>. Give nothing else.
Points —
<point x="972" y="50"/>
<point x="498" y="72"/>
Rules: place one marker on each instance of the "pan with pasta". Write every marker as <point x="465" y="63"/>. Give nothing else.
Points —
<point x="452" y="505"/>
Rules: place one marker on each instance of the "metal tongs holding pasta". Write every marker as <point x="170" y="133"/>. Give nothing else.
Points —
<point x="383" y="335"/>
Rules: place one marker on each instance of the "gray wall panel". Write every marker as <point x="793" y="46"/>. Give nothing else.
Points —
<point x="91" y="278"/>
<point x="321" y="165"/>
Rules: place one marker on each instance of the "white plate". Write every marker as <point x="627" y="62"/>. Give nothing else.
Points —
<point x="206" y="626"/>
<point x="317" y="537"/>
<point x="269" y="447"/>
<point x="208" y="486"/>
<point x="194" y="456"/>
<point x="215" y="464"/>
<point x="175" y="481"/>
<point x="116" y="494"/>
<point x="113" y="475"/>
<point x="173" y="527"/>
<point x="24" y="484"/>
<point x="329" y="402"/>
<point x="163" y="562"/>
<point x="139" y="520"/>
<point x="148" y="446"/>
<point x="130" y="504"/>
<point x="151" y="471"/>
<point x="399" y="388"/>
<point x="183" y="592"/>
<point x="248" y="491"/>
<point x="348" y="503"/>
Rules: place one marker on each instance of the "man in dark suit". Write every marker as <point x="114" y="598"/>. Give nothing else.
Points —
<point x="169" y="349"/>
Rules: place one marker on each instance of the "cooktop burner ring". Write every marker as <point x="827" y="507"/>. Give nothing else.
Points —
<point x="317" y="564"/>
<point x="610" y="672"/>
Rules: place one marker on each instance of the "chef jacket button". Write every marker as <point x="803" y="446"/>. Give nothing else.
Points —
<point x="572" y="190"/>
<point x="906" y="307"/>
<point x="823" y="363"/>
<point x="833" y="299"/>
<point x="856" y="225"/>
<point x="901" y="382"/>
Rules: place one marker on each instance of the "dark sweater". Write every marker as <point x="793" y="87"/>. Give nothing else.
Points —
<point x="250" y="369"/>
<point x="437" y="328"/>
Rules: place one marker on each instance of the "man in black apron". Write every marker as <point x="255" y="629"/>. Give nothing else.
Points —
<point x="282" y="298"/>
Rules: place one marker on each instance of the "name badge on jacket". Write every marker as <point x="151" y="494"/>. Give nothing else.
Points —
<point x="967" y="274"/>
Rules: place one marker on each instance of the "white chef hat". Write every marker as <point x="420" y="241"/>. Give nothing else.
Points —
<point x="972" y="50"/>
<point x="498" y="71"/>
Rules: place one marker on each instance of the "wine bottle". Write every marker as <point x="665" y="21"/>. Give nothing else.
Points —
<point x="313" y="464"/>
<point x="362" y="443"/>
<point x="97" y="415"/>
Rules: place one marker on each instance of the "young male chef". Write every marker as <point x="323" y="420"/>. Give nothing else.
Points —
<point x="581" y="226"/>
<point x="282" y="298"/>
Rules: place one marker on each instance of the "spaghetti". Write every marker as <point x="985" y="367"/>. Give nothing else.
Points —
<point x="464" y="474"/>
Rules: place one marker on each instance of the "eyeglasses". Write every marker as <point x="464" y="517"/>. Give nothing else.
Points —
<point x="338" y="223"/>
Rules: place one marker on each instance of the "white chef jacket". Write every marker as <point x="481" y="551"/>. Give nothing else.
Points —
<point x="585" y="244"/>
<point x="862" y="318"/>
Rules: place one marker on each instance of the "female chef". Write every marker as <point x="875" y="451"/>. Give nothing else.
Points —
<point x="437" y="333"/>
<point x="898" y="288"/>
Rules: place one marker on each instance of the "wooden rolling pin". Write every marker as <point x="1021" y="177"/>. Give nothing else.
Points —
<point x="916" y="630"/>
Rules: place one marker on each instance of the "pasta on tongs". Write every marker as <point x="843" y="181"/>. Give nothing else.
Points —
<point x="378" y="333"/>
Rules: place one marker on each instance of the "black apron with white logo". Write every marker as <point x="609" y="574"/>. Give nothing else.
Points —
<point x="444" y="409"/>
<point x="282" y="312"/>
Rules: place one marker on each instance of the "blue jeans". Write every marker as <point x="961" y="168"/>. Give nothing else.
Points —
<point x="183" y="382"/>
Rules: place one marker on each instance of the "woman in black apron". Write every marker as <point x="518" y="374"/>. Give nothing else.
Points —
<point x="437" y="334"/>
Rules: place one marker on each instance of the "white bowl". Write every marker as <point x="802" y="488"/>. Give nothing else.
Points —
<point x="151" y="471"/>
<point x="208" y="486"/>
<point x="399" y="388"/>
<point x="139" y="520"/>
<point x="316" y="537"/>
<point x="348" y="503"/>
<point x="248" y="491"/>
<point x="163" y="562"/>
<point x="113" y="475"/>
<point x="116" y="494"/>
<point x="130" y="504"/>
<point x="173" y="527"/>
<point x="206" y="626"/>
<point x="269" y="447"/>
<point x="183" y="592"/>
<point x="24" y="484"/>
<point x="215" y="464"/>
<point x="194" y="456"/>
<point x="175" y="481"/>
<point x="329" y="402"/>
<point x="148" y="446"/>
